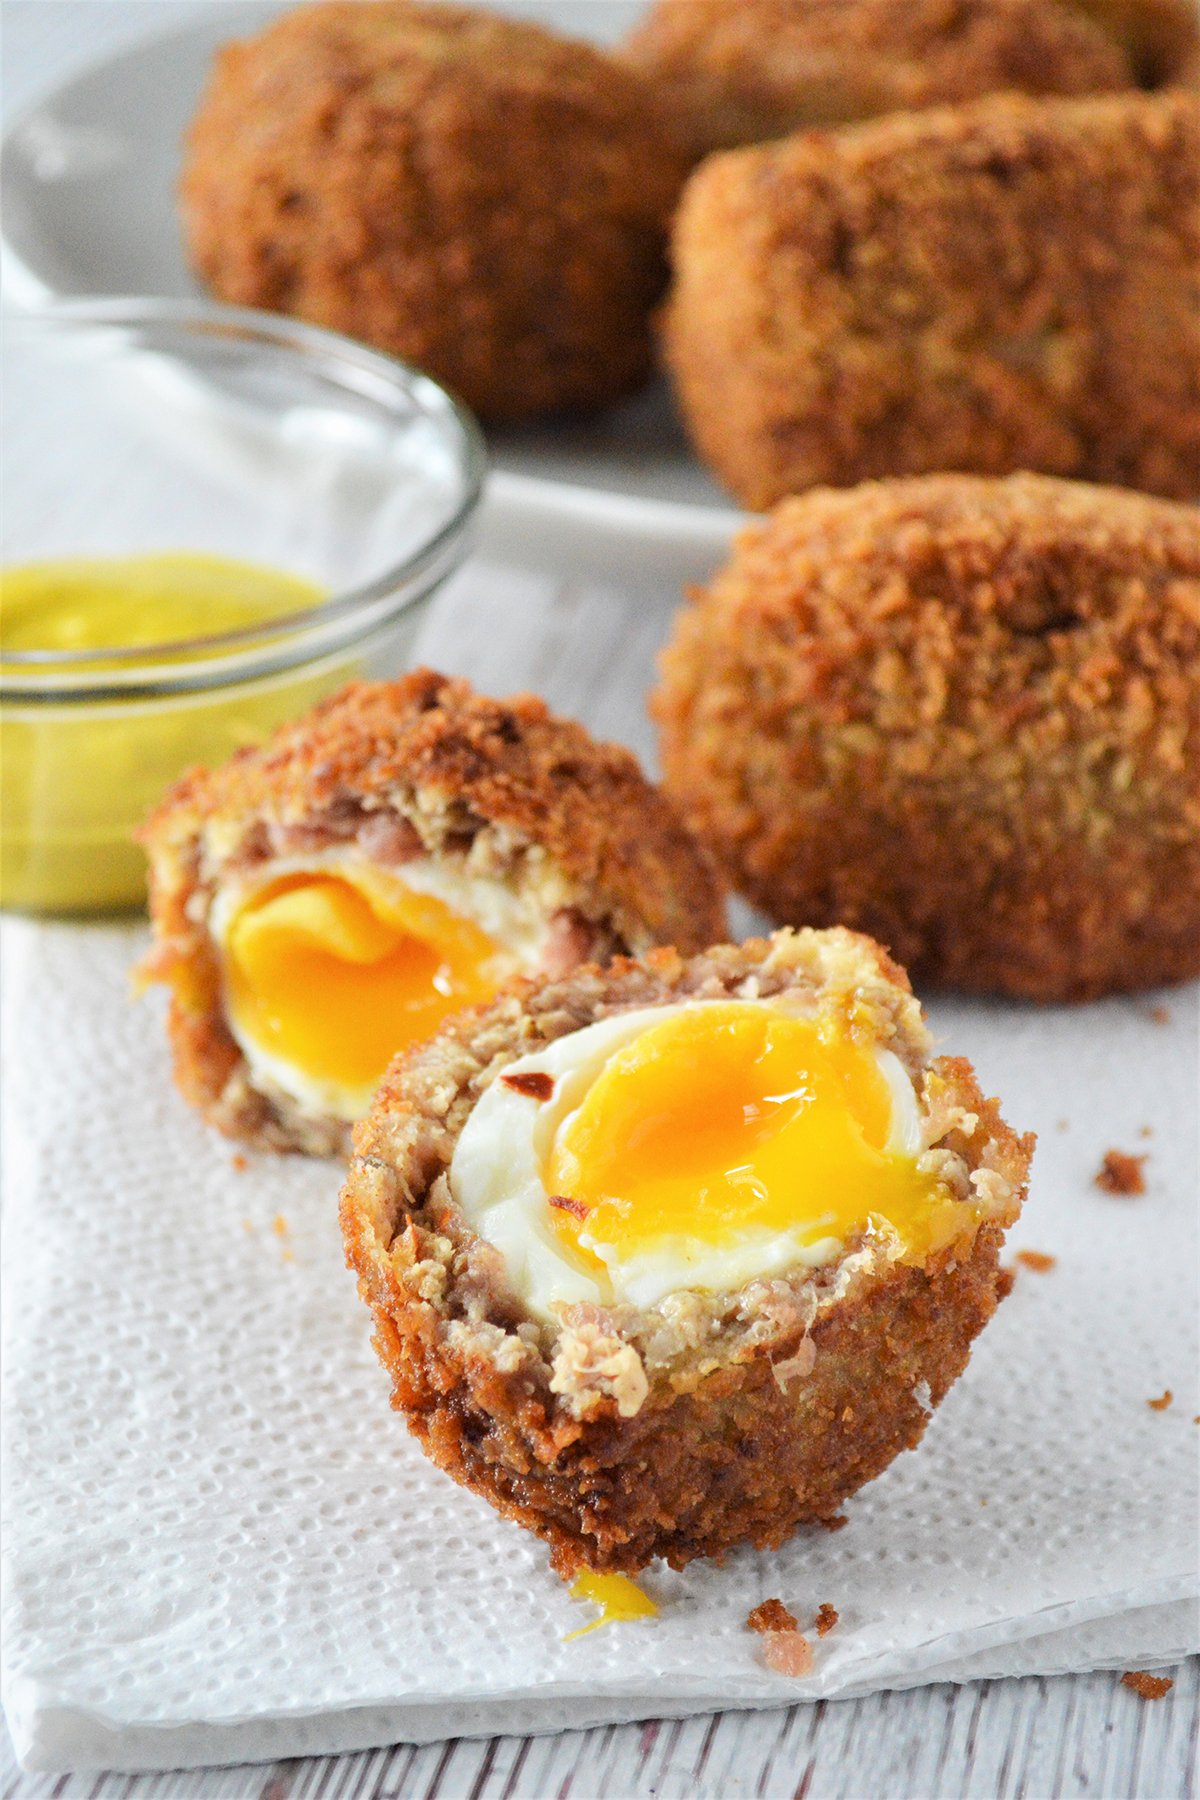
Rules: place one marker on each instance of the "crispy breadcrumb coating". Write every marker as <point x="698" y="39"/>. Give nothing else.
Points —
<point x="420" y="766"/>
<point x="473" y="193"/>
<point x="711" y="1419"/>
<point x="961" y="714"/>
<point x="740" y="71"/>
<point x="1013" y="284"/>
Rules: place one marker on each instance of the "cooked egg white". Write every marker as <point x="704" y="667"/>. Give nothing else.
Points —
<point x="331" y="965"/>
<point x="694" y="1146"/>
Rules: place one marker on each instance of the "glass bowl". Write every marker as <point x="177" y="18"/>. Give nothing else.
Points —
<point x="136" y="426"/>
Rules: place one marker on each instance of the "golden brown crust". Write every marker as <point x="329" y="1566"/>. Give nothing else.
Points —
<point x="1013" y="284"/>
<point x="1160" y="38"/>
<point x="757" y="1412"/>
<point x="421" y="765"/>
<point x="473" y="193"/>
<point x="741" y="71"/>
<point x="961" y="714"/>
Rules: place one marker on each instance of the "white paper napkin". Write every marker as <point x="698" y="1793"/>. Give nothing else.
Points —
<point x="220" y="1543"/>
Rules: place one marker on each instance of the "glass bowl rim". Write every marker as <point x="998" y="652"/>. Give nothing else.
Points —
<point x="282" y="642"/>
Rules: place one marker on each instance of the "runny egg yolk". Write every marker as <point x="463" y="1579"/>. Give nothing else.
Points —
<point x="731" y="1119"/>
<point x="331" y="975"/>
<point x="618" y="1598"/>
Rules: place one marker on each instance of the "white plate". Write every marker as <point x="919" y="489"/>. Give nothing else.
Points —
<point x="88" y="179"/>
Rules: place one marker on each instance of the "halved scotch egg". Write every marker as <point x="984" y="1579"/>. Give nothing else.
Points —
<point x="677" y="1254"/>
<point x="401" y="852"/>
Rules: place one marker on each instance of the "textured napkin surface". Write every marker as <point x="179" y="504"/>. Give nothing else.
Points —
<point x="220" y="1541"/>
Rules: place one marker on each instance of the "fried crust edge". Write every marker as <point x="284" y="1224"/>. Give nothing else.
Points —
<point x="712" y="1458"/>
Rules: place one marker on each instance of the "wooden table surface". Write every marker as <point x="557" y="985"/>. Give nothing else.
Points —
<point x="1081" y="1735"/>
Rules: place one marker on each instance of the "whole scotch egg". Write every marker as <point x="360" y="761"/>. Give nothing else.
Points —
<point x="676" y="1255"/>
<point x="400" y="852"/>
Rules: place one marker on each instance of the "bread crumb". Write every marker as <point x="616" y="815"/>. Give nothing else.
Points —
<point x="238" y="1163"/>
<point x="826" y="1619"/>
<point x="1160" y="1015"/>
<point x="788" y="1653"/>
<point x="785" y="1649"/>
<point x="835" y="1523"/>
<point x="1146" y="1131"/>
<point x="279" y="1225"/>
<point x="248" y="1225"/>
<point x="771" y="1615"/>
<point x="1121" y="1174"/>
<point x="1037" y="1260"/>
<point x="1005" y="1282"/>
<point x="564" y="1203"/>
<point x="536" y="1085"/>
<point x="1161" y="1404"/>
<point x="1150" y="1687"/>
<point x="1064" y="1125"/>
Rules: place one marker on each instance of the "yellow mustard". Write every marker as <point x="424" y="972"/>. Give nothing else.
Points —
<point x="78" y="774"/>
